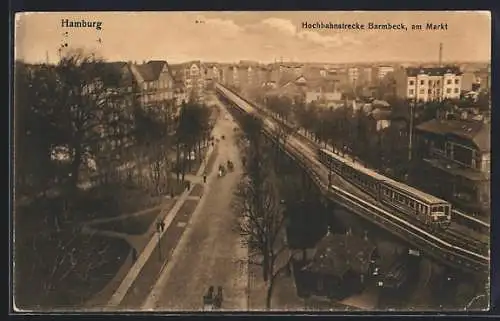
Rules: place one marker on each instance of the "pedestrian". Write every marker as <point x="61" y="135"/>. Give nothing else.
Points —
<point x="218" y="298"/>
<point x="204" y="178"/>
<point x="162" y="225"/>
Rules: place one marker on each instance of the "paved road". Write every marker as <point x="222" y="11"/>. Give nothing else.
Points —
<point x="210" y="251"/>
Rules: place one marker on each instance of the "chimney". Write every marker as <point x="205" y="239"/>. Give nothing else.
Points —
<point x="440" y="54"/>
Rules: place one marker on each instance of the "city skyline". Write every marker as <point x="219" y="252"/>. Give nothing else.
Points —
<point x="258" y="36"/>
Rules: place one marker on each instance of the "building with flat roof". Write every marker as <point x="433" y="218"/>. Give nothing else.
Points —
<point x="457" y="155"/>
<point x="429" y="84"/>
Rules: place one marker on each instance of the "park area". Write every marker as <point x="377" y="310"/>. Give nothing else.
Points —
<point x="65" y="254"/>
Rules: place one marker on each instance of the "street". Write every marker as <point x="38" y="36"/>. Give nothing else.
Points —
<point x="209" y="252"/>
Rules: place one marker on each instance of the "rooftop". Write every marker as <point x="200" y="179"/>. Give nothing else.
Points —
<point x="433" y="71"/>
<point x="337" y="253"/>
<point x="477" y="132"/>
<point x="151" y="70"/>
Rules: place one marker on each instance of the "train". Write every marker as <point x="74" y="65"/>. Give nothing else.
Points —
<point x="432" y="211"/>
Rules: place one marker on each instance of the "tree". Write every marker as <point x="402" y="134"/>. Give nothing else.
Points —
<point x="153" y="131"/>
<point x="280" y="106"/>
<point x="282" y="131"/>
<point x="193" y="128"/>
<point x="35" y="132"/>
<point x="257" y="200"/>
<point x="87" y="106"/>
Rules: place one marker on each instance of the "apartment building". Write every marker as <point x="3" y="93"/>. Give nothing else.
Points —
<point x="155" y="82"/>
<point x="382" y="71"/>
<point x="429" y="84"/>
<point x="353" y="74"/>
<point x="194" y="76"/>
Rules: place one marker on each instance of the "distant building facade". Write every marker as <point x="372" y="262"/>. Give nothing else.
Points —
<point x="353" y="74"/>
<point x="429" y="84"/>
<point x="194" y="75"/>
<point x="382" y="71"/>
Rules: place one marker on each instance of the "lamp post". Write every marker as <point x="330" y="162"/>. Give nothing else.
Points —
<point x="159" y="230"/>
<point x="410" y="133"/>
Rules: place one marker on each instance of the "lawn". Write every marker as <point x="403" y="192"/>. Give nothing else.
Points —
<point x="134" y="225"/>
<point x="187" y="208"/>
<point x="113" y="200"/>
<point x="197" y="190"/>
<point x="55" y="270"/>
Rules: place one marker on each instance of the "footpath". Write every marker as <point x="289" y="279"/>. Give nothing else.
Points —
<point x="149" y="264"/>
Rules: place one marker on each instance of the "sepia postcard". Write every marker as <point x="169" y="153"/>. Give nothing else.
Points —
<point x="252" y="161"/>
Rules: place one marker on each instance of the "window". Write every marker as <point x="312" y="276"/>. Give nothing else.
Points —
<point x="429" y="91"/>
<point x="457" y="81"/>
<point x="421" y="82"/>
<point x="456" y="90"/>
<point x="422" y="91"/>
<point x="463" y="155"/>
<point x="430" y="82"/>
<point x="448" y="90"/>
<point x="411" y="92"/>
<point x="448" y="81"/>
<point x="411" y="82"/>
<point x="437" y="82"/>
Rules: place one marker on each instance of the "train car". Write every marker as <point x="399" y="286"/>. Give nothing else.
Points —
<point x="426" y="208"/>
<point x="360" y="176"/>
<point x="432" y="211"/>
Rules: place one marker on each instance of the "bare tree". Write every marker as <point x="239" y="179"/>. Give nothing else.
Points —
<point x="282" y="132"/>
<point x="159" y="165"/>
<point x="261" y="225"/>
<point x="258" y="201"/>
<point x="89" y="102"/>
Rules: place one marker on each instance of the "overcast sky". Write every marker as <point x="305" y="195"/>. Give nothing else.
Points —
<point x="260" y="36"/>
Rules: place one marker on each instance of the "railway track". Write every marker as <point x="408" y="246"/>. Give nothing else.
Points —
<point x="454" y="238"/>
<point x="478" y="225"/>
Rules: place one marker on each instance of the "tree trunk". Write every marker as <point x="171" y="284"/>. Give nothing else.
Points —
<point x="184" y="166"/>
<point x="269" y="294"/>
<point x="188" y="159"/>
<point x="265" y="267"/>
<point x="178" y="161"/>
<point x="75" y="167"/>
